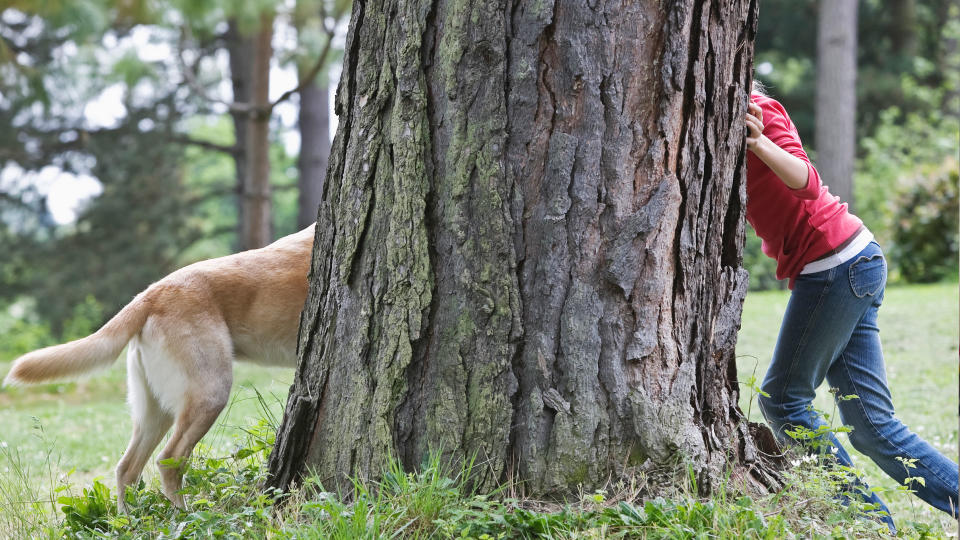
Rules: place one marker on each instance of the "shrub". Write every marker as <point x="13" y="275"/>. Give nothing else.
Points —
<point x="21" y="330"/>
<point x="925" y="239"/>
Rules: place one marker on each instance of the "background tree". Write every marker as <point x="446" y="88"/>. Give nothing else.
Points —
<point x="249" y="42"/>
<point x="180" y="174"/>
<point x="239" y="46"/>
<point x="529" y="247"/>
<point x="257" y="221"/>
<point x="314" y="123"/>
<point x="836" y="95"/>
<point x="891" y="65"/>
<point x="249" y="39"/>
<point x="311" y="18"/>
<point x="43" y="105"/>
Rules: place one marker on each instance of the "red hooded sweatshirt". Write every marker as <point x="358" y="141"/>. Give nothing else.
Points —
<point x="797" y="226"/>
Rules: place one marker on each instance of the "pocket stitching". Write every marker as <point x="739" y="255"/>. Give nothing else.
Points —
<point x="854" y="286"/>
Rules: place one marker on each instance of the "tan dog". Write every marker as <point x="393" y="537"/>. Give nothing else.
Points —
<point x="182" y="334"/>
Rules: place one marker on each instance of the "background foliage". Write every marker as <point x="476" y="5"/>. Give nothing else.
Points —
<point x="134" y="97"/>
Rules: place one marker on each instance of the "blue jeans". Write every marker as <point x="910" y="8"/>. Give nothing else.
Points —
<point x="830" y="330"/>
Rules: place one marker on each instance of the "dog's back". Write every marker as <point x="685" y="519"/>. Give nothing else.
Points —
<point x="184" y="331"/>
<point x="258" y="294"/>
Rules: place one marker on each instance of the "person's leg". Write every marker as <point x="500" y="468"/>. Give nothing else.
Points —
<point x="876" y="431"/>
<point x="816" y="326"/>
<point x="821" y="315"/>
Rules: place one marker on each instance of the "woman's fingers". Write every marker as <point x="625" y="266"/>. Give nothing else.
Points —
<point x="754" y="130"/>
<point x="754" y="125"/>
<point x="755" y="110"/>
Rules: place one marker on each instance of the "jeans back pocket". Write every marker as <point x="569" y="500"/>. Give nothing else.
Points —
<point x="868" y="274"/>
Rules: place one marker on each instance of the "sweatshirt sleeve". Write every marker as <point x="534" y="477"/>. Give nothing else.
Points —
<point x="778" y="127"/>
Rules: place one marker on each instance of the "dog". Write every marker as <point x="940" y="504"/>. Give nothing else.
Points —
<point x="182" y="335"/>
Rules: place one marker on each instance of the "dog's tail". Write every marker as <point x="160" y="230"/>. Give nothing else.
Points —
<point x="98" y="350"/>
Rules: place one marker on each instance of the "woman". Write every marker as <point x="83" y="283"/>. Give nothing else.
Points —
<point x="837" y="275"/>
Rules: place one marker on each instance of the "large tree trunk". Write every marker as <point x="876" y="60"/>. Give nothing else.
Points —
<point x="314" y="123"/>
<point x="836" y="95"/>
<point x="257" y="217"/>
<point x="528" y="249"/>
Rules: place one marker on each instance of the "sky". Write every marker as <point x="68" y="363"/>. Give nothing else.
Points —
<point x="66" y="193"/>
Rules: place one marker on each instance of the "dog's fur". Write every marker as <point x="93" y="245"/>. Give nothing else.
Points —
<point x="182" y="335"/>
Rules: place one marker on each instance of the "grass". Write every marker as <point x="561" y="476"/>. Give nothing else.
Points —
<point x="73" y="434"/>
<point x="918" y="328"/>
<point x="57" y="441"/>
<point x="88" y="421"/>
<point x="437" y="502"/>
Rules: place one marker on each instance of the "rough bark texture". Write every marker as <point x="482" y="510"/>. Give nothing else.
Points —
<point x="528" y="248"/>
<point x="314" y="121"/>
<point x="836" y="95"/>
<point x="257" y="224"/>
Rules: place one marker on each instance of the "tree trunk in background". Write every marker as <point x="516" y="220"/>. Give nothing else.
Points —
<point x="257" y="220"/>
<point x="240" y="49"/>
<point x="903" y="35"/>
<point x="836" y="95"/>
<point x="529" y="246"/>
<point x="314" y="123"/>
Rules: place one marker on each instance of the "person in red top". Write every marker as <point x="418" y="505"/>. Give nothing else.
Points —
<point x="788" y="205"/>
<point x="837" y="276"/>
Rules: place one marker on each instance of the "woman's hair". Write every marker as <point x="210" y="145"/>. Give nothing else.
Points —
<point x="758" y="88"/>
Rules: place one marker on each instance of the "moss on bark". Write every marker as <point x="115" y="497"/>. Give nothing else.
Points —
<point x="529" y="246"/>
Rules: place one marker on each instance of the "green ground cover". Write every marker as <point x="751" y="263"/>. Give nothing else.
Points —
<point x="57" y="439"/>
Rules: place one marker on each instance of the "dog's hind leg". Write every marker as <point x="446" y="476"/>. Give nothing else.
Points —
<point x="189" y="428"/>
<point x="200" y="373"/>
<point x="150" y="424"/>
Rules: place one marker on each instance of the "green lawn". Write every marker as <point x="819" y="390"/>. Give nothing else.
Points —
<point x="84" y="426"/>
<point x="50" y="430"/>
<point x="918" y="328"/>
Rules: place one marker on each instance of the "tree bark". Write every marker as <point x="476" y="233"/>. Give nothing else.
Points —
<point x="529" y="247"/>
<point x="257" y="219"/>
<point x="836" y="95"/>
<point x="314" y="123"/>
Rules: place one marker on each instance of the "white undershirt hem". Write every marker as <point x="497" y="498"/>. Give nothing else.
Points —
<point x="847" y="253"/>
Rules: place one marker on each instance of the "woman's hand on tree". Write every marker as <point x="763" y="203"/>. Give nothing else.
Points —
<point x="754" y="122"/>
<point x="792" y="170"/>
